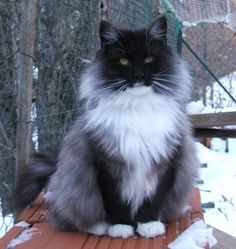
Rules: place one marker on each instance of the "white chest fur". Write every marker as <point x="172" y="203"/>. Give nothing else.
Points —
<point x="139" y="128"/>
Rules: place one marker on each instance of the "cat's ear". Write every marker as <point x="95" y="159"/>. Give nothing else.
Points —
<point x="108" y="34"/>
<point x="158" y="29"/>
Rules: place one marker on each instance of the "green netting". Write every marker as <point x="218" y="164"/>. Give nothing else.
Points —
<point x="131" y="14"/>
<point x="207" y="29"/>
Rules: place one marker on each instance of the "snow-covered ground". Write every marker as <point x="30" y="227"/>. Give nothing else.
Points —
<point x="219" y="184"/>
<point x="5" y="223"/>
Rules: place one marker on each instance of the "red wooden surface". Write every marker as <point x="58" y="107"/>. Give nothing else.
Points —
<point x="47" y="237"/>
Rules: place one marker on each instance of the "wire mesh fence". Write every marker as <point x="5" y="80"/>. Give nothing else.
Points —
<point x="8" y="73"/>
<point x="66" y="35"/>
<point x="203" y="32"/>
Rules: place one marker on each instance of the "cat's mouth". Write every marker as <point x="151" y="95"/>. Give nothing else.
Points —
<point x="139" y="89"/>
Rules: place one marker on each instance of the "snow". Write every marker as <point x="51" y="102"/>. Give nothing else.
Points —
<point x="6" y="222"/>
<point x="220" y="175"/>
<point x="195" y="107"/>
<point x="195" y="237"/>
<point x="217" y="99"/>
<point x="219" y="184"/>
<point x="23" y="237"/>
<point x="22" y="224"/>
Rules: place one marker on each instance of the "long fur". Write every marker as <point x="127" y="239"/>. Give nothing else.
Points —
<point x="130" y="156"/>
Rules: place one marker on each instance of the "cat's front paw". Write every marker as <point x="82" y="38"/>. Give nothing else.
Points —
<point x="151" y="229"/>
<point x="121" y="230"/>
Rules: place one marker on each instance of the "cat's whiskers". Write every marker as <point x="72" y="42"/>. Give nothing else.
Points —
<point x="160" y="86"/>
<point x="111" y="85"/>
<point x="114" y="80"/>
<point x="121" y="89"/>
<point x="158" y="79"/>
<point x="163" y="73"/>
<point x="166" y="75"/>
<point x="158" y="83"/>
<point x="158" y="89"/>
<point x="109" y="89"/>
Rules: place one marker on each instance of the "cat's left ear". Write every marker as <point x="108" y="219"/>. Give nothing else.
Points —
<point x="158" y="29"/>
<point x="108" y="34"/>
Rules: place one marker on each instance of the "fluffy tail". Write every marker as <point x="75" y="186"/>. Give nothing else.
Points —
<point x="34" y="178"/>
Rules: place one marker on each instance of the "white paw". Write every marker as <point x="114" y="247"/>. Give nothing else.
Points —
<point x="150" y="229"/>
<point x="99" y="229"/>
<point x="120" y="230"/>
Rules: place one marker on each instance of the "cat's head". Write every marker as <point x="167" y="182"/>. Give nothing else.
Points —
<point x="136" y="61"/>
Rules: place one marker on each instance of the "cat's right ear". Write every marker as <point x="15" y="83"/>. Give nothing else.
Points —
<point x="108" y="34"/>
<point x="159" y="29"/>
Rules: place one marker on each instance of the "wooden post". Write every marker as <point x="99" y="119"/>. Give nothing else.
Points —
<point x="24" y="82"/>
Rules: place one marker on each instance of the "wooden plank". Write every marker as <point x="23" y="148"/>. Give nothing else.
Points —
<point x="10" y="235"/>
<point x="158" y="242"/>
<point x="129" y="243"/>
<point x="185" y="222"/>
<point x="116" y="243"/>
<point x="40" y="239"/>
<point x="213" y="119"/>
<point x="104" y="242"/>
<point x="60" y="240"/>
<point x="78" y="241"/>
<point x="173" y="230"/>
<point x="91" y="242"/>
<point x="195" y="201"/>
<point x="197" y="216"/>
<point x="40" y="215"/>
<point x="30" y="211"/>
<point x="143" y="243"/>
<point x="208" y="132"/>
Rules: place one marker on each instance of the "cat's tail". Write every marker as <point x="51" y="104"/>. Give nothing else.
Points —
<point x="34" y="177"/>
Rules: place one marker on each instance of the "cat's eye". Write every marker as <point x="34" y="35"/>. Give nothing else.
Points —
<point x="149" y="59"/>
<point x="124" y="61"/>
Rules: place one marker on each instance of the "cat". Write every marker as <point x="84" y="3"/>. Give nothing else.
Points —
<point x="128" y="163"/>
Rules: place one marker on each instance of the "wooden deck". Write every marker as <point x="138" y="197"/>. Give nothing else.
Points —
<point x="207" y="125"/>
<point x="46" y="237"/>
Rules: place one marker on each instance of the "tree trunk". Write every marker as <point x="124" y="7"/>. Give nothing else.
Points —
<point x="25" y="80"/>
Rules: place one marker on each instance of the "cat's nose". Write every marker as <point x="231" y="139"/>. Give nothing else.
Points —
<point x="139" y="74"/>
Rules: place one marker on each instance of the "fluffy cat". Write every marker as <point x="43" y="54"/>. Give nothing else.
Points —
<point x="128" y="163"/>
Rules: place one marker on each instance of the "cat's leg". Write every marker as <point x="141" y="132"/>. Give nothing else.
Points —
<point x="75" y="200"/>
<point x="186" y="165"/>
<point x="117" y="211"/>
<point x="148" y="223"/>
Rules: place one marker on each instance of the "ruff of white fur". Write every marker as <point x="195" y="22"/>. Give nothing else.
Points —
<point x="138" y="127"/>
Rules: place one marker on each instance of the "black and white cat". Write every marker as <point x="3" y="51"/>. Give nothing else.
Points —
<point x="128" y="163"/>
